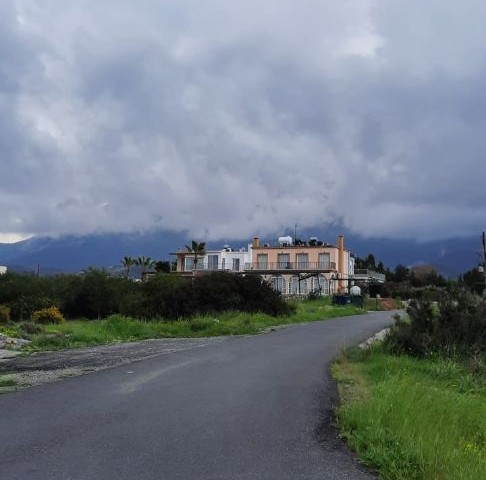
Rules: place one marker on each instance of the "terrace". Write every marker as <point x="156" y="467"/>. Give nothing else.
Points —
<point x="290" y="266"/>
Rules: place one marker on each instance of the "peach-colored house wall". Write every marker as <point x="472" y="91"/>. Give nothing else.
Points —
<point x="337" y="272"/>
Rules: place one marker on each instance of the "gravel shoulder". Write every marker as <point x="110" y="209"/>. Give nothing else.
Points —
<point x="45" y="367"/>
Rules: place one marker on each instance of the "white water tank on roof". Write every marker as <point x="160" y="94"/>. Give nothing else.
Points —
<point x="283" y="241"/>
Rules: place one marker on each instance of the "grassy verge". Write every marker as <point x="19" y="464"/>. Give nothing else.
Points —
<point x="7" y="383"/>
<point x="74" y="334"/>
<point x="413" y="419"/>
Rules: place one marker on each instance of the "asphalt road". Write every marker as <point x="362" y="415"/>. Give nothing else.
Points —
<point x="245" y="408"/>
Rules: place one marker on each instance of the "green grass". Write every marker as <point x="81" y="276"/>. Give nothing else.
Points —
<point x="7" y="383"/>
<point x="75" y="334"/>
<point x="413" y="419"/>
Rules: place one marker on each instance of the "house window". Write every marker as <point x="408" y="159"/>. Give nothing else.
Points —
<point x="278" y="284"/>
<point x="324" y="261"/>
<point x="324" y="285"/>
<point x="320" y="284"/>
<point x="212" y="262"/>
<point x="294" y="286"/>
<point x="283" y="260"/>
<point x="262" y="261"/>
<point x="236" y="264"/>
<point x="302" y="260"/>
<point x="188" y="264"/>
<point x="303" y="287"/>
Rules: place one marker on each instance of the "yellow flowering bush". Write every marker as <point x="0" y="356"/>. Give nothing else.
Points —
<point x="48" y="315"/>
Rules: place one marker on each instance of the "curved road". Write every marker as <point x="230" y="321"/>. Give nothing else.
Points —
<point x="245" y="408"/>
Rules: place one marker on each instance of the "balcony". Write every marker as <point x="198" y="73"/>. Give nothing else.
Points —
<point x="211" y="267"/>
<point x="290" y="267"/>
<point x="368" y="276"/>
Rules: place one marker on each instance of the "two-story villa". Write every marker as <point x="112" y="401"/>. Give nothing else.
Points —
<point x="297" y="268"/>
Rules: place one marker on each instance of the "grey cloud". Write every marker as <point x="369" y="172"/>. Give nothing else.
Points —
<point x="232" y="118"/>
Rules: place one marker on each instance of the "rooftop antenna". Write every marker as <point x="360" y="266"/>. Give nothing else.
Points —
<point x="295" y="232"/>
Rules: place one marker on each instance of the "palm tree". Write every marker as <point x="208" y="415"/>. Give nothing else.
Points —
<point x="145" y="263"/>
<point x="128" y="262"/>
<point x="198" y="249"/>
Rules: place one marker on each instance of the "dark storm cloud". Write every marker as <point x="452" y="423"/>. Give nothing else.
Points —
<point x="231" y="118"/>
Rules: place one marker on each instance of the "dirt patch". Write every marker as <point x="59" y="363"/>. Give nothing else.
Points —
<point x="47" y="367"/>
<point x="388" y="304"/>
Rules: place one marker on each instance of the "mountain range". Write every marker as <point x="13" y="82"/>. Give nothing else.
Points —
<point x="451" y="256"/>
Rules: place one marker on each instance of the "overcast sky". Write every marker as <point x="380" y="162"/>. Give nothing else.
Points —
<point x="230" y="118"/>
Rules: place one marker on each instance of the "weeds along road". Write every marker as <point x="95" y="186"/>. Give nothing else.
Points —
<point x="245" y="408"/>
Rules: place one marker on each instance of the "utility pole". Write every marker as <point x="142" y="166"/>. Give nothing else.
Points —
<point x="483" y="241"/>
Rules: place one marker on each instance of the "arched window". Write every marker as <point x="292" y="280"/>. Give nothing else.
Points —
<point x="315" y="285"/>
<point x="324" y="285"/>
<point x="294" y="285"/>
<point x="278" y="284"/>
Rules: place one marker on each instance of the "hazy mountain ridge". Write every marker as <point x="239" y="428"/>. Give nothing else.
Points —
<point x="72" y="253"/>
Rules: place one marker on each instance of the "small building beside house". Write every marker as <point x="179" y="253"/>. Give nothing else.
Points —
<point x="227" y="260"/>
<point x="3" y="270"/>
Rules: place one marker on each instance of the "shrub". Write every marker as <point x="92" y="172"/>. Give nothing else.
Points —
<point x="163" y="296"/>
<point x="200" y="324"/>
<point x="31" y="328"/>
<point x="48" y="315"/>
<point x="95" y="294"/>
<point x="454" y="326"/>
<point x="4" y="314"/>
<point x="314" y="295"/>
<point x="172" y="297"/>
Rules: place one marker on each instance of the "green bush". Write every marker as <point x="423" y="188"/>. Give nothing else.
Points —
<point x="31" y="328"/>
<point x="171" y="297"/>
<point x="48" y="315"/>
<point x="313" y="295"/>
<point x="454" y="326"/>
<point x="199" y="324"/>
<point x="4" y="314"/>
<point x="217" y="292"/>
<point x="95" y="295"/>
<point x="163" y="296"/>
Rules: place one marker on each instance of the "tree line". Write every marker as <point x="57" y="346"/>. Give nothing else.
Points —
<point x="97" y="294"/>
<point x="420" y="281"/>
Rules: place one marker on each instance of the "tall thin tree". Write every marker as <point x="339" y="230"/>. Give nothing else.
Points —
<point x="145" y="263"/>
<point x="127" y="262"/>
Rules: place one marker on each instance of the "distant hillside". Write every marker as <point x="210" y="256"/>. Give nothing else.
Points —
<point x="451" y="256"/>
<point x="71" y="253"/>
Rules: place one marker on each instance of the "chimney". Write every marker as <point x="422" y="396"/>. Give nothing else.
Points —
<point x="256" y="242"/>
<point x="341" y="270"/>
